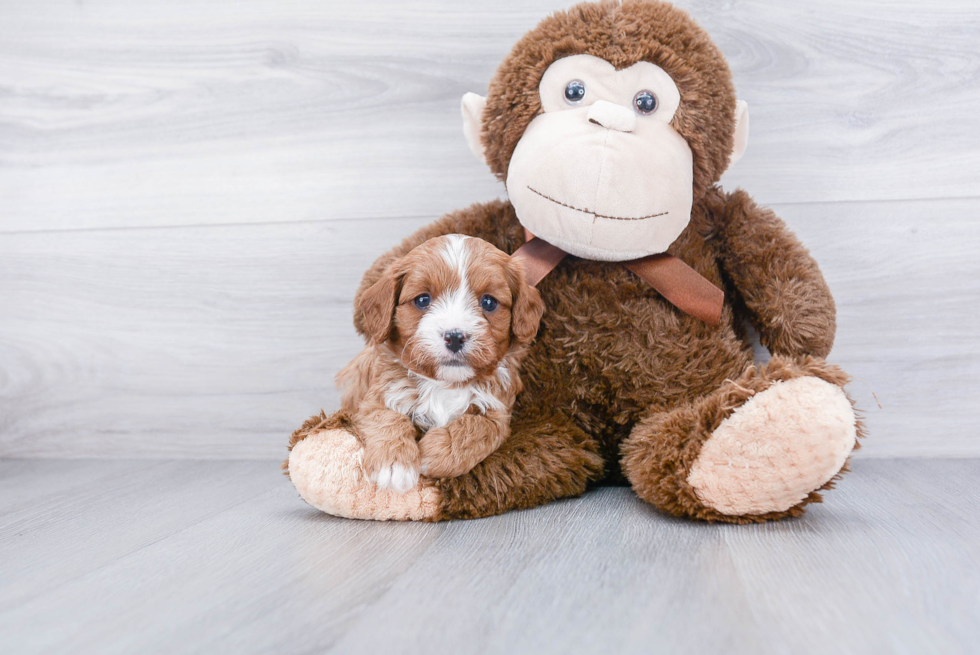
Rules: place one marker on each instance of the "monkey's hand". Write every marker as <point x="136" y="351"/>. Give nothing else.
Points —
<point x="782" y="287"/>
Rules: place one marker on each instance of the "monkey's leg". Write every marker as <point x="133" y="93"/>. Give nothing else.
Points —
<point x="542" y="460"/>
<point x="758" y="448"/>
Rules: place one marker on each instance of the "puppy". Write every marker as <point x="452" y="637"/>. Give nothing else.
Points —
<point x="447" y="327"/>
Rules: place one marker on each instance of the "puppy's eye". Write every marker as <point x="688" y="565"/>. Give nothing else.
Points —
<point x="574" y="92"/>
<point x="488" y="303"/>
<point x="645" y="102"/>
<point x="423" y="301"/>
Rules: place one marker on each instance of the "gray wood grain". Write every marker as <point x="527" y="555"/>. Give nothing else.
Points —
<point x="175" y="565"/>
<point x="141" y="503"/>
<point x="121" y="114"/>
<point x="218" y="341"/>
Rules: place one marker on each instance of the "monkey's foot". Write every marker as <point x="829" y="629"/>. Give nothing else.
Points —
<point x="325" y="467"/>
<point x="771" y="452"/>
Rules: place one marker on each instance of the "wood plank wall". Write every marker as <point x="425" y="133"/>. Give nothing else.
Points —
<point x="189" y="193"/>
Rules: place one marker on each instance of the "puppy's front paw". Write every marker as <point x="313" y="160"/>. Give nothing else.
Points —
<point x="439" y="459"/>
<point x="393" y="466"/>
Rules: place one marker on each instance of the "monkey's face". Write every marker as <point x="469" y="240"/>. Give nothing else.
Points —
<point x="601" y="173"/>
<point x="603" y="152"/>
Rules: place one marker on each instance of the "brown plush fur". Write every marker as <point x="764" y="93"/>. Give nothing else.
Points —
<point x="617" y="374"/>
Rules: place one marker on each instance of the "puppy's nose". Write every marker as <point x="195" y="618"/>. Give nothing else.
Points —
<point x="455" y="340"/>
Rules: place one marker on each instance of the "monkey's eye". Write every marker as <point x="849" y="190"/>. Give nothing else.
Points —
<point x="574" y="92"/>
<point x="645" y="102"/>
<point x="422" y="302"/>
<point x="488" y="303"/>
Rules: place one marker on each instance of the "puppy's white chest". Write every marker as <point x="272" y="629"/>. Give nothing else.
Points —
<point x="434" y="404"/>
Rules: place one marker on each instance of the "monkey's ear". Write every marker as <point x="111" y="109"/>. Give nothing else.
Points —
<point x="741" y="132"/>
<point x="473" y="105"/>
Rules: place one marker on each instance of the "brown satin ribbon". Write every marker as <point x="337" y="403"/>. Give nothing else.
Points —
<point x="677" y="282"/>
<point x="680" y="285"/>
<point x="539" y="258"/>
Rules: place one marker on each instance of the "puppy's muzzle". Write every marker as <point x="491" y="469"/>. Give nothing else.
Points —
<point x="454" y="340"/>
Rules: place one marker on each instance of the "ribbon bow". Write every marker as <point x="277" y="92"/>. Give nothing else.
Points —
<point x="677" y="282"/>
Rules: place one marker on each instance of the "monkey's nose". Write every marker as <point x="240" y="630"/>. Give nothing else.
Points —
<point x="612" y="116"/>
<point x="455" y="340"/>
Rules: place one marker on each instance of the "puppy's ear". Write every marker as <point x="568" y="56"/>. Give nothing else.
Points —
<point x="527" y="307"/>
<point x="374" y="310"/>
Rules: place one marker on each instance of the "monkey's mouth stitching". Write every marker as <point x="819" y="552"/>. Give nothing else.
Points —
<point x="589" y="211"/>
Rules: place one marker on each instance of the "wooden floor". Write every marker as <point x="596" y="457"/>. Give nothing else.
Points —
<point x="205" y="556"/>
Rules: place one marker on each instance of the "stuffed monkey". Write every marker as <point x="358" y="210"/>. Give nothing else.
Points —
<point x="610" y="124"/>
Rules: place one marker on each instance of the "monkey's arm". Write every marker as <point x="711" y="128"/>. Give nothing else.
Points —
<point x="493" y="221"/>
<point x="781" y="284"/>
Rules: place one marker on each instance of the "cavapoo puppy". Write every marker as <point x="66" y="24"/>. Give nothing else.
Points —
<point x="448" y="325"/>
